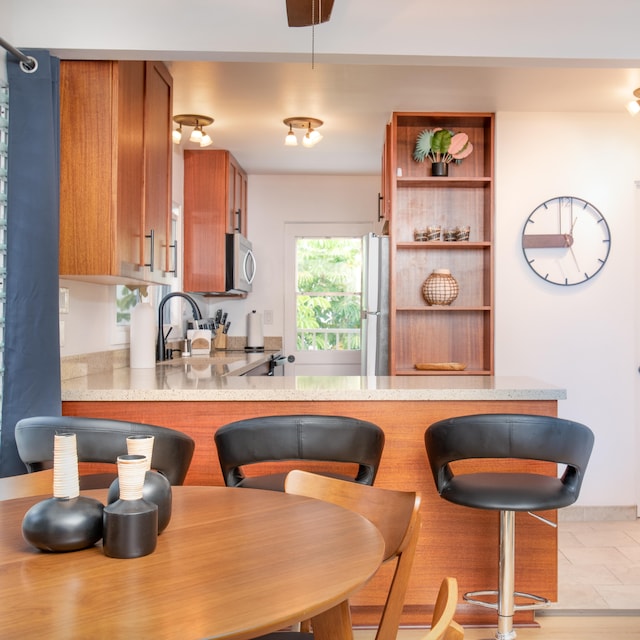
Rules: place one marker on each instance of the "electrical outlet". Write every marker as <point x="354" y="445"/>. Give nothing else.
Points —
<point x="268" y="316"/>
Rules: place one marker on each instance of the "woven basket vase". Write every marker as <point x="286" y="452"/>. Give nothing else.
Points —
<point x="440" y="288"/>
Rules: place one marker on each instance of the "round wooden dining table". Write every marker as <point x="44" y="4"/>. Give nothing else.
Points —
<point x="233" y="563"/>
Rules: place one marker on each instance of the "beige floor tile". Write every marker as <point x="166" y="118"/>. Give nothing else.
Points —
<point x="579" y="596"/>
<point x="620" y="596"/>
<point x="590" y="574"/>
<point x="594" y="555"/>
<point x="627" y="573"/>
<point x="631" y="553"/>
<point x="605" y="538"/>
<point x="568" y="539"/>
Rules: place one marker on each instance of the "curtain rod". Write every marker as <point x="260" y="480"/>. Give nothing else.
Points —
<point x="27" y="64"/>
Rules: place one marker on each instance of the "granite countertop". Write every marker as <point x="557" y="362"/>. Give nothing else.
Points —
<point x="210" y="379"/>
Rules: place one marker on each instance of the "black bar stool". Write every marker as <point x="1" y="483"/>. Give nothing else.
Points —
<point x="516" y="436"/>
<point x="295" y="438"/>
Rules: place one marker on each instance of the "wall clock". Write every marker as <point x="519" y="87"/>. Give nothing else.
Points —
<point x="566" y="240"/>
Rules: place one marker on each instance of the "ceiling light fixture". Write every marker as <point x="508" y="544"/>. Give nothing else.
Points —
<point x="312" y="135"/>
<point x="633" y="107"/>
<point x="198" y="135"/>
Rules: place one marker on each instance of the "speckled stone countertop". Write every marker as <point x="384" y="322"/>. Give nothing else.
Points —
<point x="209" y="380"/>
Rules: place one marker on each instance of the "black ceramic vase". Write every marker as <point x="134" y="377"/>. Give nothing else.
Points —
<point x="156" y="488"/>
<point x="63" y="524"/>
<point x="130" y="524"/>
<point x="68" y="521"/>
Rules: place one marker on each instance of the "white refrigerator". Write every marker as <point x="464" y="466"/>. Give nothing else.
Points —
<point x="374" y="339"/>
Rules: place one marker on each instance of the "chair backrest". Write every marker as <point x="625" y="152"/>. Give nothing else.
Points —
<point x="395" y="514"/>
<point x="100" y="440"/>
<point x="443" y="626"/>
<point x="517" y="436"/>
<point x="28" y="484"/>
<point x="299" y="437"/>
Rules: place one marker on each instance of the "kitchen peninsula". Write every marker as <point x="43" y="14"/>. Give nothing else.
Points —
<point x="454" y="540"/>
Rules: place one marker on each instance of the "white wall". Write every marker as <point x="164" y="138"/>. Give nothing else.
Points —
<point x="582" y="338"/>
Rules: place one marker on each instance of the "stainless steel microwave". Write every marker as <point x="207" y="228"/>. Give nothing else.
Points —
<point x="240" y="264"/>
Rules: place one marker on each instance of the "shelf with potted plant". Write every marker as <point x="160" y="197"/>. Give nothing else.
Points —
<point x="459" y="334"/>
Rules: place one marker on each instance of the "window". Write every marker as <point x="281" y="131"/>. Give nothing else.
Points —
<point x="126" y="299"/>
<point x="328" y="293"/>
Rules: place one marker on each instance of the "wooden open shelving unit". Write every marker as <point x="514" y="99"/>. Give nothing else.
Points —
<point x="463" y="331"/>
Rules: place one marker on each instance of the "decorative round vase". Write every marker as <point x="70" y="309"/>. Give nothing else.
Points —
<point x="440" y="288"/>
<point x="68" y="521"/>
<point x="131" y="522"/>
<point x="440" y="169"/>
<point x="156" y="487"/>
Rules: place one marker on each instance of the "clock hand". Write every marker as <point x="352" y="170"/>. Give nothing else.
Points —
<point x="547" y="240"/>
<point x="573" y="255"/>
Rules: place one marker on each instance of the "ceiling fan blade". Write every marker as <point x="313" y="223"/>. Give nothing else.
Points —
<point x="304" y="13"/>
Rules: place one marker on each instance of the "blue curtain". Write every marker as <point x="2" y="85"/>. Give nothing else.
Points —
<point x="31" y="383"/>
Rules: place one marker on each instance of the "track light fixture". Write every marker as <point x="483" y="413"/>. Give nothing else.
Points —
<point x="633" y="107"/>
<point x="312" y="135"/>
<point x="198" y="135"/>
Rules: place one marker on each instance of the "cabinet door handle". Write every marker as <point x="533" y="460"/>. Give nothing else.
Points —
<point x="380" y="199"/>
<point x="238" y="214"/>
<point x="174" y="246"/>
<point x="152" y="237"/>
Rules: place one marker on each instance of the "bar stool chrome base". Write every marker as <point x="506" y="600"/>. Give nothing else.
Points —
<point x="505" y="604"/>
<point x="505" y="623"/>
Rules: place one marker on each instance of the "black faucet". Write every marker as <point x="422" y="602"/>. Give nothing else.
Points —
<point x="161" y="344"/>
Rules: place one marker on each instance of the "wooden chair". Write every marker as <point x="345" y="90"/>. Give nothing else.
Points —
<point x="443" y="626"/>
<point x="28" y="484"/>
<point x="394" y="513"/>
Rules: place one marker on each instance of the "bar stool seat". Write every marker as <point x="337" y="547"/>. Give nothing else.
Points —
<point x="508" y="436"/>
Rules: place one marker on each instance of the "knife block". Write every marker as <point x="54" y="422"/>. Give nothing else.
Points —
<point x="220" y="340"/>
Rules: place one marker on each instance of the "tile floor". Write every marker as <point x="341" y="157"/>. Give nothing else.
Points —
<point x="599" y="566"/>
<point x="599" y="588"/>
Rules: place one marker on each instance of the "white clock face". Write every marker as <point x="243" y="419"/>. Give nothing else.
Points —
<point x="566" y="240"/>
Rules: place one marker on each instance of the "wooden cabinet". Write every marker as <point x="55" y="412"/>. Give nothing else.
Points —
<point x="215" y="197"/>
<point x="115" y="165"/>
<point x="384" y="205"/>
<point x="160" y="252"/>
<point x="237" y="217"/>
<point x="463" y="331"/>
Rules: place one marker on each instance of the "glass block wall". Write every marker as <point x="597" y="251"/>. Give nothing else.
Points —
<point x="4" y="153"/>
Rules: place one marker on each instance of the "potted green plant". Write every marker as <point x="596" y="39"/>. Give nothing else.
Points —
<point x="441" y="146"/>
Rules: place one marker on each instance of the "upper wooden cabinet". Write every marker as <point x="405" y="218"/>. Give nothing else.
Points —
<point x="158" y="107"/>
<point x="215" y="203"/>
<point x="461" y="332"/>
<point x="115" y="168"/>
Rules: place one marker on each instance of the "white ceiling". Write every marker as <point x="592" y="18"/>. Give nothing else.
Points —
<point x="250" y="100"/>
<point x="239" y="62"/>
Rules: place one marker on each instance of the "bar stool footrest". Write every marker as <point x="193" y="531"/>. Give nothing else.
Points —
<point x="539" y="601"/>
